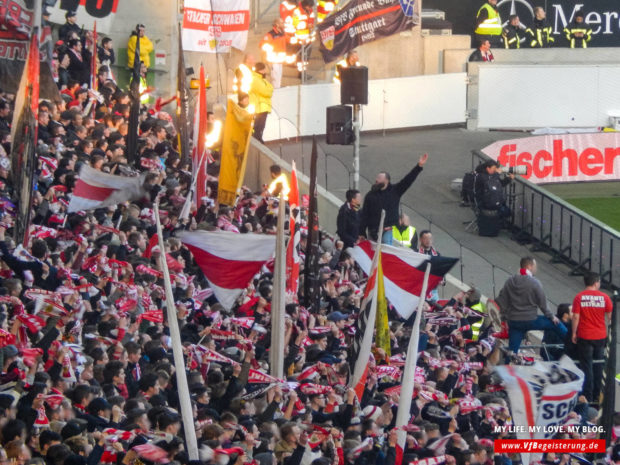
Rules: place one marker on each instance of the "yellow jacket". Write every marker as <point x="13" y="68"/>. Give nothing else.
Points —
<point x="146" y="47"/>
<point x="261" y="91"/>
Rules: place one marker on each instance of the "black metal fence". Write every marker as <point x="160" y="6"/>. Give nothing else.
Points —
<point x="570" y="235"/>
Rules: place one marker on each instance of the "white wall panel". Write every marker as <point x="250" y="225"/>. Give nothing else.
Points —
<point x="531" y="96"/>
<point x="393" y="103"/>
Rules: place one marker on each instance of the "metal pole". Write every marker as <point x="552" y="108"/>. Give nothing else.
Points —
<point x="276" y="354"/>
<point x="404" y="406"/>
<point x="303" y="64"/>
<point x="356" y="147"/>
<point x="177" y="349"/>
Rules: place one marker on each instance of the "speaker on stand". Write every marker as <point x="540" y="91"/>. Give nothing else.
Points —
<point x="339" y="129"/>
<point x="354" y="85"/>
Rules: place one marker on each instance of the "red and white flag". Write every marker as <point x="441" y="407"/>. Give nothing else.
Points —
<point x="96" y="189"/>
<point x="229" y="260"/>
<point x="403" y="273"/>
<point x="292" y="249"/>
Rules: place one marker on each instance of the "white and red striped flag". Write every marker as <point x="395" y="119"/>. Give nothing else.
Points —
<point x="403" y="273"/>
<point x="96" y="189"/>
<point x="229" y="260"/>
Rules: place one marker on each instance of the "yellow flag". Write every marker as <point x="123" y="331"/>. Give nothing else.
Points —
<point x="382" y="338"/>
<point x="236" y="141"/>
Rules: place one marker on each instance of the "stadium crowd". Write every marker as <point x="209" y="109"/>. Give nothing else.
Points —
<point x="87" y="372"/>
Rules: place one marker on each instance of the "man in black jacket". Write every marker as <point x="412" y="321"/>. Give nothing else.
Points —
<point x="349" y="218"/>
<point x="386" y="196"/>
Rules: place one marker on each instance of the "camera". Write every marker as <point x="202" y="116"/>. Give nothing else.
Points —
<point x="517" y="170"/>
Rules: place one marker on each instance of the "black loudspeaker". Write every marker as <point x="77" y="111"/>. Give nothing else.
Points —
<point x="354" y="86"/>
<point x="339" y="125"/>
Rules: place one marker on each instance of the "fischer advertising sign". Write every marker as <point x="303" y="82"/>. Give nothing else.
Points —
<point x="562" y="158"/>
<point x="364" y="21"/>
<point x="214" y="26"/>
<point x="603" y="16"/>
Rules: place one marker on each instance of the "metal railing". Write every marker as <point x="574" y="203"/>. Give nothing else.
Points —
<point x="570" y="235"/>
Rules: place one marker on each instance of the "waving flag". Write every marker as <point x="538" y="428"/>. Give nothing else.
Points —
<point x="403" y="273"/>
<point x="539" y="395"/>
<point x="229" y="260"/>
<point x="292" y="249"/>
<point x="96" y="189"/>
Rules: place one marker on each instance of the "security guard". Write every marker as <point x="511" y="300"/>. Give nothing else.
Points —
<point x="489" y="24"/>
<point x="541" y="32"/>
<point x="274" y="48"/>
<point x="404" y="234"/>
<point x="578" y="33"/>
<point x="513" y="33"/>
<point x="350" y="61"/>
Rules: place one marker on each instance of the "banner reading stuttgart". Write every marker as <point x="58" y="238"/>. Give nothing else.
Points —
<point x="364" y="21"/>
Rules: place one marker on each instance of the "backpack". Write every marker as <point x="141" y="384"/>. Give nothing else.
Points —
<point x="467" y="188"/>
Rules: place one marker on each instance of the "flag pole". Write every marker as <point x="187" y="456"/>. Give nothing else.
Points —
<point x="177" y="349"/>
<point x="276" y="352"/>
<point x="406" y="393"/>
<point x="361" y="364"/>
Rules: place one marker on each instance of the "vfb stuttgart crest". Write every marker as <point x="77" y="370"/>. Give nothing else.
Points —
<point x="327" y="37"/>
<point x="408" y="7"/>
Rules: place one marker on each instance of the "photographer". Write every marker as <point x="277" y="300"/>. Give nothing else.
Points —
<point x="491" y="198"/>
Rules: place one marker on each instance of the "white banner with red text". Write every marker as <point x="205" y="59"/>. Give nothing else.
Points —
<point x="214" y="26"/>
<point x="562" y="158"/>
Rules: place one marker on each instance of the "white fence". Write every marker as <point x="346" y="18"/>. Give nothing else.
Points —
<point x="392" y="104"/>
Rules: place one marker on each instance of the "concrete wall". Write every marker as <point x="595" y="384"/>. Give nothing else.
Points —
<point x="435" y="47"/>
<point x="260" y="158"/>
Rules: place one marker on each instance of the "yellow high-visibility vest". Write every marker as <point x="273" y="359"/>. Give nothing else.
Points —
<point x="492" y="26"/>
<point x="403" y="238"/>
<point x="477" y="326"/>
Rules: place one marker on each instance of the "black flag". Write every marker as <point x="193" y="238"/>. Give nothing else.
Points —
<point x="311" y="271"/>
<point x="183" y="106"/>
<point x="134" y="112"/>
